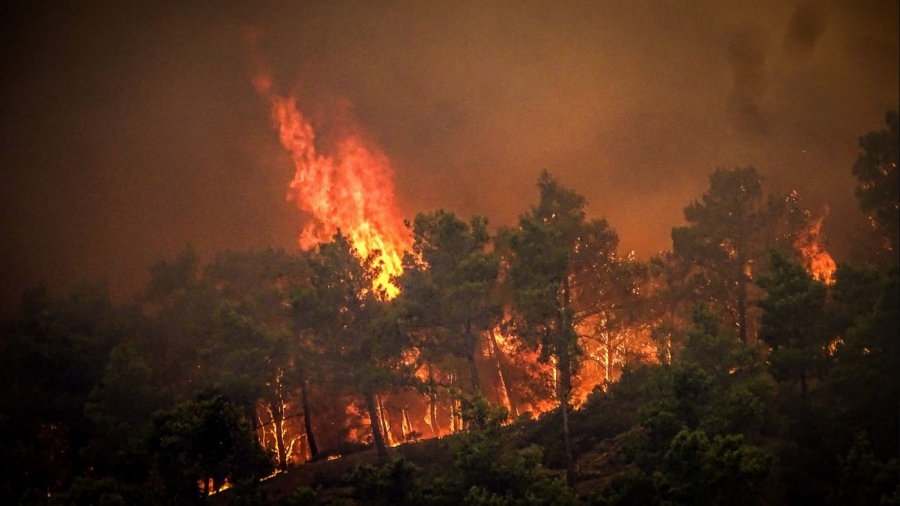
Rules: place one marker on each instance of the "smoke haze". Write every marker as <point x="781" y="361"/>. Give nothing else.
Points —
<point x="130" y="129"/>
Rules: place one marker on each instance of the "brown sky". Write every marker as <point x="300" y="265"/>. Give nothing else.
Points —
<point x="131" y="129"/>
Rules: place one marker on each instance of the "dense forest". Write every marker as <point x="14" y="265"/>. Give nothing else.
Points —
<point x="740" y="367"/>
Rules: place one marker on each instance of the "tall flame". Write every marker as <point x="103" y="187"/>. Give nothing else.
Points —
<point x="347" y="185"/>
<point x="350" y="190"/>
<point x="817" y="259"/>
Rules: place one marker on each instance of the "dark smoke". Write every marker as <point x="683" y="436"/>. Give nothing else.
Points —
<point x="804" y="30"/>
<point x="128" y="129"/>
<point x="748" y="62"/>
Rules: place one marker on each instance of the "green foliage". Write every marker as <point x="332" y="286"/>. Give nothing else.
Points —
<point x="304" y="496"/>
<point x="491" y="473"/>
<point x="794" y="322"/>
<point x="694" y="469"/>
<point x="512" y="478"/>
<point x="556" y="256"/>
<point x="876" y="170"/>
<point x="51" y="359"/>
<point x="205" y="441"/>
<point x="168" y="277"/>
<point x="715" y="348"/>
<point x="863" y="379"/>
<point x="487" y="471"/>
<point x="353" y="331"/>
<point x="865" y="479"/>
<point x="729" y="230"/>
<point x="479" y="415"/>
<point x="697" y="470"/>
<point x="393" y="483"/>
<point x="103" y="491"/>
<point x="448" y="287"/>
<point x="82" y="378"/>
<point x="721" y="238"/>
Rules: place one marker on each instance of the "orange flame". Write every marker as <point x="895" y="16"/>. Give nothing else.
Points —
<point x="818" y="261"/>
<point x="350" y="190"/>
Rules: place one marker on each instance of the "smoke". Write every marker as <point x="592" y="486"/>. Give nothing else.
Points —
<point x="130" y="129"/>
<point x="747" y="58"/>
<point x="805" y="27"/>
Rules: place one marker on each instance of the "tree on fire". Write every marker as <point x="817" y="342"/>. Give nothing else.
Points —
<point x="723" y="246"/>
<point x="145" y="402"/>
<point x="556" y="257"/>
<point x="258" y="361"/>
<point x="616" y="316"/>
<point x="448" y="286"/>
<point x="352" y="325"/>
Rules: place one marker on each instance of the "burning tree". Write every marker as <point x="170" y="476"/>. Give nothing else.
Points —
<point x="555" y="257"/>
<point x="448" y="286"/>
<point x="722" y="250"/>
<point x="351" y="325"/>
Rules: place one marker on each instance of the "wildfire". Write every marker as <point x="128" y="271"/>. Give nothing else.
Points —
<point x="818" y="261"/>
<point x="347" y="185"/>
<point x="350" y="189"/>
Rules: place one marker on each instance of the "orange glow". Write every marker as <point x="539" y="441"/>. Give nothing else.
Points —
<point x="817" y="260"/>
<point x="211" y="487"/>
<point x="350" y="189"/>
<point x="346" y="184"/>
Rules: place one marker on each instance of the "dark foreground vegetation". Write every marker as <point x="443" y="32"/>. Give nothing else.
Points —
<point x="768" y="380"/>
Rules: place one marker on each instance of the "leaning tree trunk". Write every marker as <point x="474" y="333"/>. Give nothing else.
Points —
<point x="307" y="422"/>
<point x="375" y="422"/>
<point x="277" y="410"/>
<point x="496" y="354"/>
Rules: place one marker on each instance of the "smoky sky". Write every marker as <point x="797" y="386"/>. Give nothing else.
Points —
<point x="130" y="129"/>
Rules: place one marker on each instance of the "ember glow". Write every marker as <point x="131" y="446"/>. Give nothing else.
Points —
<point x="350" y="189"/>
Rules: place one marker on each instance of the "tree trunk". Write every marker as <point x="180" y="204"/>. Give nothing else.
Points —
<point x="307" y="422"/>
<point x="742" y="296"/>
<point x="250" y="413"/>
<point x="406" y="427"/>
<point x="432" y="403"/>
<point x="277" y="410"/>
<point x="564" y="388"/>
<point x="375" y="423"/>
<point x="384" y="416"/>
<point x="742" y="311"/>
<point x="473" y="366"/>
<point x="432" y="412"/>
<point x="564" y="367"/>
<point x="609" y="357"/>
<point x="504" y="390"/>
